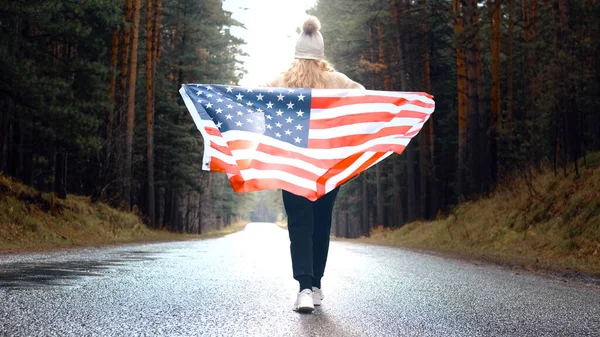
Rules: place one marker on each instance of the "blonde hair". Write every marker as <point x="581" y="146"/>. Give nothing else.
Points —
<point x="307" y="73"/>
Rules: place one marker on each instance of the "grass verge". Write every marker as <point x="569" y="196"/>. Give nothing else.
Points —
<point x="547" y="222"/>
<point x="34" y="221"/>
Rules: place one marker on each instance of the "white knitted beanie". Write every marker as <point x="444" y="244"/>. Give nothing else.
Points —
<point x="310" y="43"/>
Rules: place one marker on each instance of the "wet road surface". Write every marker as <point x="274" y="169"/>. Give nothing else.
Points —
<point x="241" y="285"/>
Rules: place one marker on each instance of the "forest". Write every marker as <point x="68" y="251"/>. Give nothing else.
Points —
<point x="516" y="89"/>
<point x="89" y="102"/>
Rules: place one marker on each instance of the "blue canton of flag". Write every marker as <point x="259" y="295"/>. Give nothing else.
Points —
<point x="282" y="114"/>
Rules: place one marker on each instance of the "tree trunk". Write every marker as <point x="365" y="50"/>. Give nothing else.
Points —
<point x="364" y="188"/>
<point x="157" y="27"/>
<point x="483" y="138"/>
<point x="397" y="206"/>
<point x="461" y="74"/>
<point x="473" y="141"/>
<point x="530" y="11"/>
<point x="150" y="31"/>
<point x="60" y="178"/>
<point x="386" y="86"/>
<point x="429" y="190"/>
<point x="121" y="102"/>
<point x="411" y="195"/>
<point x="510" y="71"/>
<point x="131" y="105"/>
<point x="5" y="109"/>
<point x="114" y="57"/>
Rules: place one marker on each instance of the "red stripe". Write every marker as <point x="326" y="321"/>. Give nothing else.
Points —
<point x="364" y="118"/>
<point x="241" y="186"/>
<point x="355" y="140"/>
<point x="220" y="148"/>
<point x="341" y="166"/>
<point x="213" y="131"/>
<point x="334" y="102"/>
<point x="259" y="165"/>
<point x="217" y="165"/>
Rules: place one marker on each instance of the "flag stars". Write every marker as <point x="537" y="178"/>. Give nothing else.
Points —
<point x="278" y="135"/>
<point x="249" y="104"/>
<point x="280" y="97"/>
<point x="299" y="127"/>
<point x="209" y="88"/>
<point x="288" y="132"/>
<point x="270" y="105"/>
<point x="278" y="125"/>
<point x="240" y="113"/>
<point x="249" y="90"/>
<point x="229" y="116"/>
<point x="269" y="117"/>
<point x="229" y="106"/>
<point x="239" y="124"/>
<point x="239" y="97"/>
<point x="300" y="113"/>
<point x="229" y="89"/>
<point x="199" y="93"/>
<point x="290" y="105"/>
<point x="291" y="91"/>
<point x="199" y="101"/>
<point x="249" y="111"/>
<point x="289" y="120"/>
<point x="249" y="120"/>
<point x="301" y="98"/>
<point x="259" y="97"/>
<point x="297" y="139"/>
<point x="219" y="110"/>
<point x="220" y="100"/>
<point x="269" y="126"/>
<point x="208" y="105"/>
<point x="259" y="110"/>
<point x="279" y="113"/>
<point x="209" y="95"/>
<point x="219" y="125"/>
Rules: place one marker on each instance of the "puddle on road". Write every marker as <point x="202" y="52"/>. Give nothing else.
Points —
<point x="21" y="275"/>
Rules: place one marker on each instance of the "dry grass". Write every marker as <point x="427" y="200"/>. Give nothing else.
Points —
<point x="554" y="225"/>
<point x="30" y="220"/>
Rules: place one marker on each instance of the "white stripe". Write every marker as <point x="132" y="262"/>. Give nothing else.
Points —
<point x="250" y="174"/>
<point x="271" y="159"/>
<point x="387" y="154"/>
<point x="333" y="93"/>
<point x="333" y="181"/>
<point x="362" y="128"/>
<point x="208" y="150"/>
<point x="224" y="157"/>
<point x="335" y="153"/>
<point x="365" y="108"/>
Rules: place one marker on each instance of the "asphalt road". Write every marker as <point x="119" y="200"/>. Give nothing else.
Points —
<point x="241" y="285"/>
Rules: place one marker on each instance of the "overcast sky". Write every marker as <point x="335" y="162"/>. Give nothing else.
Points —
<point x="270" y="34"/>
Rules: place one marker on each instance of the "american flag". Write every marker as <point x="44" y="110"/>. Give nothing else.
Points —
<point x="305" y="141"/>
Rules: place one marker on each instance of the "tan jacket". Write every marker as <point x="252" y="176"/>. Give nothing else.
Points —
<point x="336" y="80"/>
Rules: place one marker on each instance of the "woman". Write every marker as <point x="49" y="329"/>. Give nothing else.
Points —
<point x="309" y="223"/>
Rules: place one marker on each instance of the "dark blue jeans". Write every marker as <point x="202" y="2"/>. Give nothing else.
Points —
<point x="309" y="227"/>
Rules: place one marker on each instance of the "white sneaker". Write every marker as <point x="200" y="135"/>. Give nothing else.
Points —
<point x="304" y="301"/>
<point x="317" y="296"/>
